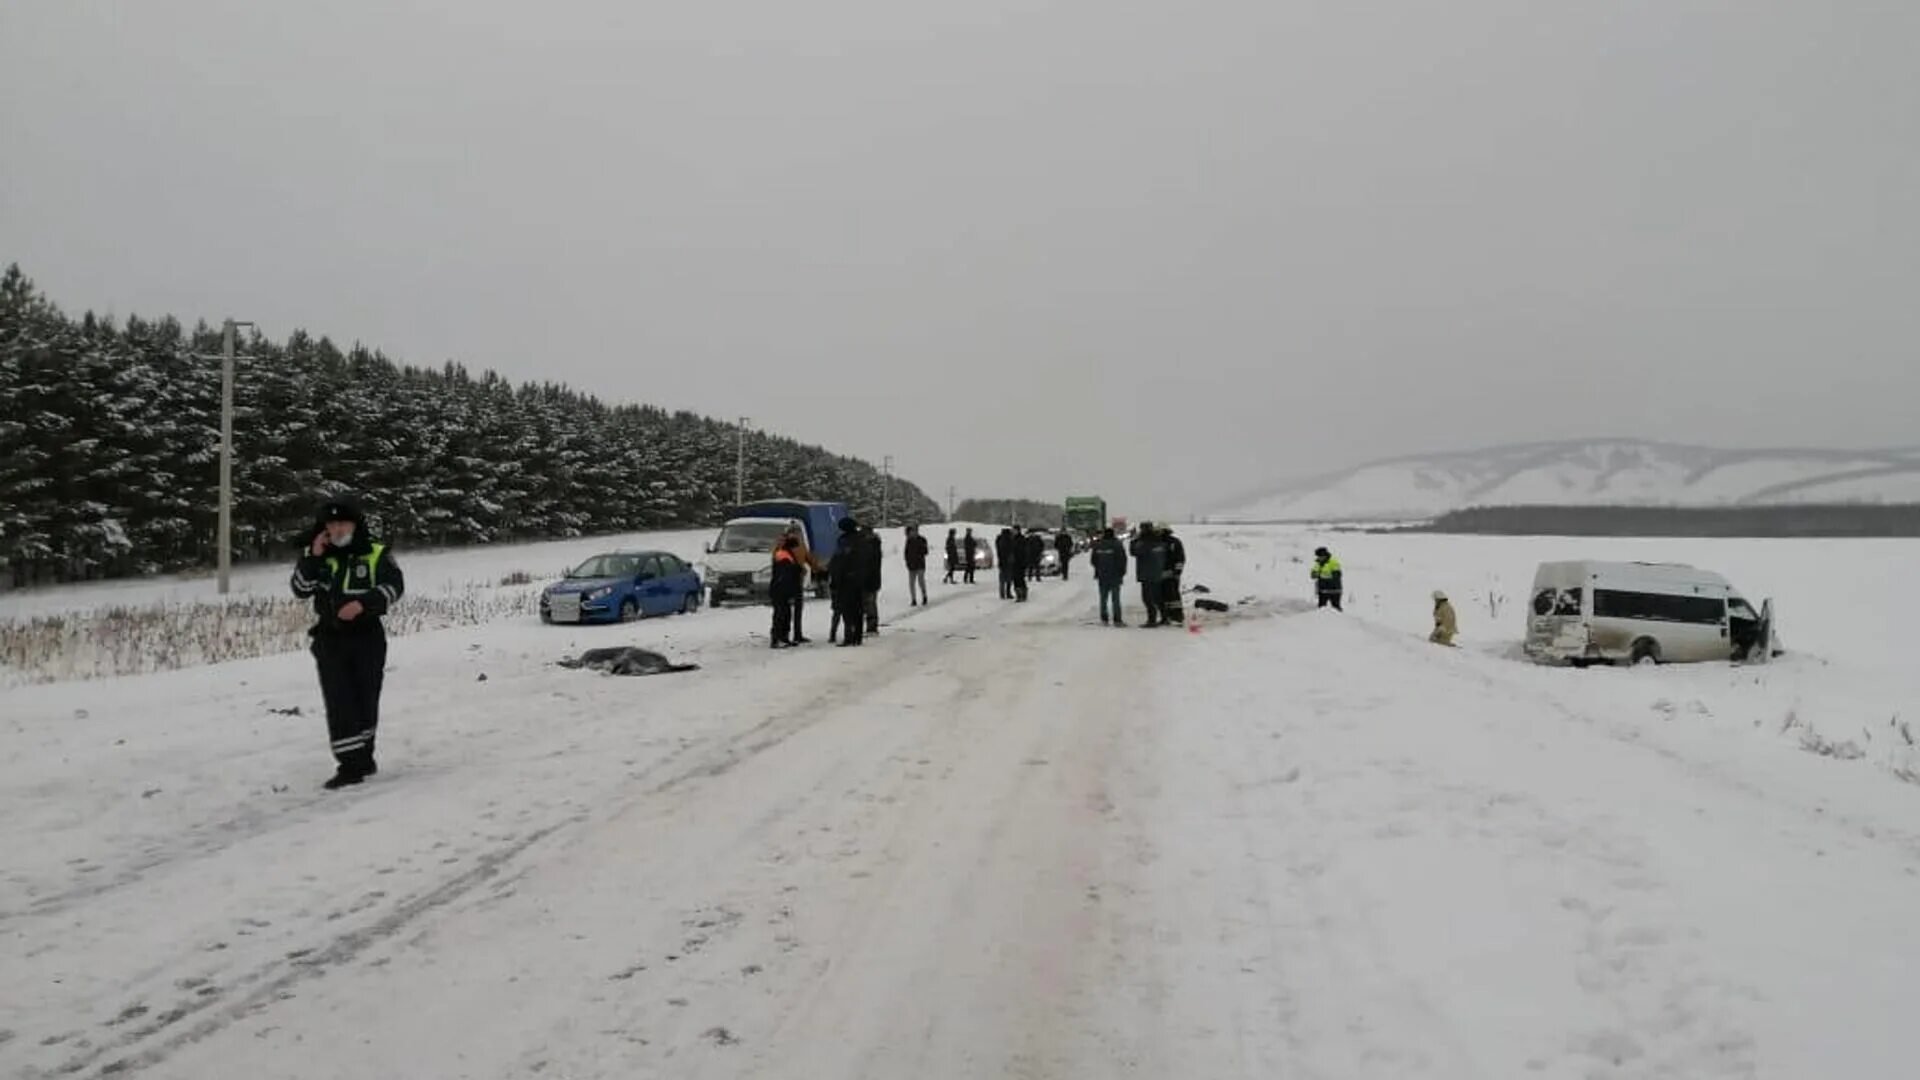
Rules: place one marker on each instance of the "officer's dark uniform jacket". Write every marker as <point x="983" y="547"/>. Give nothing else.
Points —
<point x="363" y="571"/>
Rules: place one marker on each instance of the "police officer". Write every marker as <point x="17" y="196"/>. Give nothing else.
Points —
<point x="846" y="577"/>
<point x="1327" y="580"/>
<point x="1172" y="609"/>
<point x="353" y="581"/>
<point x="1150" y="568"/>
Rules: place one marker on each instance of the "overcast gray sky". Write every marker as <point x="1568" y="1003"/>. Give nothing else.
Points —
<point x="1162" y="251"/>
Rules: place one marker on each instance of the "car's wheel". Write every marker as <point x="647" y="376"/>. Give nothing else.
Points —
<point x="688" y="602"/>
<point x="1645" y="651"/>
<point x="715" y="599"/>
<point x="629" y="609"/>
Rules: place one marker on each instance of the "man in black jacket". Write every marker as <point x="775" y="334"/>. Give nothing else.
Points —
<point x="846" y="577"/>
<point x="916" y="553"/>
<point x="953" y="556"/>
<point x="1036" y="548"/>
<point x="353" y="581"/>
<point x="968" y="547"/>
<point x="1109" y="561"/>
<point x="1150" y="566"/>
<point x="1063" y="546"/>
<point x="1017" y="548"/>
<point x="1003" y="562"/>
<point x="876" y="560"/>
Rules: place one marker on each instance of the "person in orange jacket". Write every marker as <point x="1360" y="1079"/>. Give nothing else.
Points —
<point x="811" y="568"/>
<point x="789" y="579"/>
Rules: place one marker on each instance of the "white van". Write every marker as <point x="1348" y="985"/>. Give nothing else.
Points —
<point x="1606" y="612"/>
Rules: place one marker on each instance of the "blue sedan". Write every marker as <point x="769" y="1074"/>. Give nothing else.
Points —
<point x="621" y="586"/>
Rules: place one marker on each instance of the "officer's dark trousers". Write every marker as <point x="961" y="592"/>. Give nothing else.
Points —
<point x="1332" y="600"/>
<point x="1150" y="599"/>
<point x="352" y="668"/>
<point x="851" y="613"/>
<point x="799" y="616"/>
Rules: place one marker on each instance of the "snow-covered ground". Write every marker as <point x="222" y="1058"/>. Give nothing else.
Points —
<point x="998" y="841"/>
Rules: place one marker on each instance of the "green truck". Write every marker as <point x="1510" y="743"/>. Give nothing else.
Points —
<point x="1085" y="514"/>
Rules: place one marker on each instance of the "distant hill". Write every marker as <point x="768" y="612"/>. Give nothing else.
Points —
<point x="1599" y="472"/>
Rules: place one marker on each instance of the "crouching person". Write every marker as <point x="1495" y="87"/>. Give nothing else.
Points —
<point x="1446" y="625"/>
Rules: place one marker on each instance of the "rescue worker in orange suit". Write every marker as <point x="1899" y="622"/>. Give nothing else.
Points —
<point x="810" y="568"/>
<point x="788" y="580"/>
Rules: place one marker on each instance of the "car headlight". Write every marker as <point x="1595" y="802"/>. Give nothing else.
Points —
<point x="601" y="593"/>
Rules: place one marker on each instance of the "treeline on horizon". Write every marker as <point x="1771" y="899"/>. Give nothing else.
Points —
<point x="110" y="437"/>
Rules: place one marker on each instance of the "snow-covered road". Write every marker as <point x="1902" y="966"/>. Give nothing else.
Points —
<point x="998" y="841"/>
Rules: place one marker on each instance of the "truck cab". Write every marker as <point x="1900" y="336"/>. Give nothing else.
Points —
<point x="739" y="564"/>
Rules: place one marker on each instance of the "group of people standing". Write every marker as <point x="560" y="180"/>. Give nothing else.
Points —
<point x="853" y="583"/>
<point x="1159" y="560"/>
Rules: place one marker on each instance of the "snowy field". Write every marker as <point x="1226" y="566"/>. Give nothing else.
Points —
<point x="998" y="841"/>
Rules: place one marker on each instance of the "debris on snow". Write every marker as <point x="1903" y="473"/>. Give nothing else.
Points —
<point x="626" y="660"/>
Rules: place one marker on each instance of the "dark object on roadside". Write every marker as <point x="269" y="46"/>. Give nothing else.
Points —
<point x="1199" y="589"/>
<point x="1210" y="605"/>
<point x="291" y="710"/>
<point x="626" y="660"/>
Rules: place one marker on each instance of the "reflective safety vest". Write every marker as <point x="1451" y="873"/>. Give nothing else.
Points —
<point x="357" y="574"/>
<point x="1325" y="572"/>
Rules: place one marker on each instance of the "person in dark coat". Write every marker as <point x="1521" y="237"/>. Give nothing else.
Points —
<point x="1063" y="546"/>
<point x="847" y="579"/>
<point x="876" y="559"/>
<point x="1109" y="561"/>
<point x="916" y="553"/>
<point x="1004" y="562"/>
<point x="1150" y="566"/>
<point x="1172" y="611"/>
<point x="1036" y="547"/>
<point x="953" y="556"/>
<point x="789" y="579"/>
<point x="353" y="581"/>
<point x="1017" y="549"/>
<point x="968" y="547"/>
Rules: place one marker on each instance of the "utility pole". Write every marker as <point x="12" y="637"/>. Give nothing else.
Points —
<point x="950" y="494"/>
<point x="740" y="467"/>
<point x="886" y="489"/>
<point x="225" y="539"/>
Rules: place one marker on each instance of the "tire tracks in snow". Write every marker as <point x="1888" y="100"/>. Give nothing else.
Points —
<point x="272" y="983"/>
